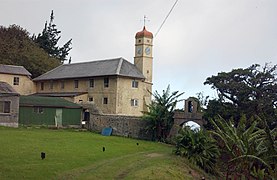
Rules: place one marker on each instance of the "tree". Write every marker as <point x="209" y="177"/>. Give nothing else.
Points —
<point x="251" y="91"/>
<point x="17" y="48"/>
<point x="160" y="115"/>
<point x="49" y="38"/>
<point x="250" y="149"/>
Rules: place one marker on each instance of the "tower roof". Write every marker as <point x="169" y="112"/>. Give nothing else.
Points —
<point x="144" y="33"/>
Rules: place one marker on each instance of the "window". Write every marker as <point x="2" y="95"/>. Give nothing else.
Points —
<point x="51" y="84"/>
<point x="38" y="110"/>
<point x="134" y="102"/>
<point x="105" y="100"/>
<point x="91" y="83"/>
<point x="106" y="82"/>
<point x="16" y="81"/>
<point x="135" y="84"/>
<point x="90" y="99"/>
<point x="42" y="86"/>
<point x="190" y="106"/>
<point x="62" y="84"/>
<point x="5" y="106"/>
<point x="76" y="83"/>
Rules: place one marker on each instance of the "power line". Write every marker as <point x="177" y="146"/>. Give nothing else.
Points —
<point x="166" y="18"/>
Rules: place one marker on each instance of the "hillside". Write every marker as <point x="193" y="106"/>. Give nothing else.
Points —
<point x="71" y="154"/>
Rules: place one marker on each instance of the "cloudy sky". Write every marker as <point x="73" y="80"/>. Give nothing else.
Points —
<point x="199" y="39"/>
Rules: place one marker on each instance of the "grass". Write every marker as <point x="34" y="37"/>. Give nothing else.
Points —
<point x="72" y="154"/>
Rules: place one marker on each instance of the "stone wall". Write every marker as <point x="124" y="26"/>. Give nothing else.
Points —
<point x="10" y="119"/>
<point x="128" y="126"/>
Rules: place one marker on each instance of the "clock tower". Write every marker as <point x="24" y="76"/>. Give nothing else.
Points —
<point x="143" y="54"/>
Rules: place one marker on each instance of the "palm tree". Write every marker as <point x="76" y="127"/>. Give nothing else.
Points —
<point x="160" y="115"/>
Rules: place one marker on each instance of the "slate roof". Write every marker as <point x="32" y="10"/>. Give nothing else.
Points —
<point x="6" y="89"/>
<point x="11" y="69"/>
<point x="110" y="67"/>
<point x="57" y="102"/>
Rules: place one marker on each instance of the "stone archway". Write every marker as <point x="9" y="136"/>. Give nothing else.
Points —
<point x="191" y="113"/>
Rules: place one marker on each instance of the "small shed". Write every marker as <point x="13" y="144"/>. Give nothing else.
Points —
<point x="9" y="105"/>
<point x="49" y="111"/>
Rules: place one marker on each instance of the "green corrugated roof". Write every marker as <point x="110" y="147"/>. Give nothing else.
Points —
<point x="46" y="102"/>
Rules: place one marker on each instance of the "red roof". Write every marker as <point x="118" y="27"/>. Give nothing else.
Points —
<point x="144" y="33"/>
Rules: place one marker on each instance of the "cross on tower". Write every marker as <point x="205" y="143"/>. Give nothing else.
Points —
<point x="144" y="20"/>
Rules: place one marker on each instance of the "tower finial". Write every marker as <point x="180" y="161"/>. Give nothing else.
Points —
<point x="144" y="20"/>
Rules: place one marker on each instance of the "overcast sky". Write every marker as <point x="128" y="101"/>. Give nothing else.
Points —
<point x="199" y="39"/>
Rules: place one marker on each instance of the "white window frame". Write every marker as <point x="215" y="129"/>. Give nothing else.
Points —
<point x="135" y="84"/>
<point x="91" y="83"/>
<point x="38" y="109"/>
<point x="134" y="102"/>
<point x="106" y="82"/>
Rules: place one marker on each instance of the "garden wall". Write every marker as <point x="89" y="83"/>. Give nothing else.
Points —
<point x="127" y="126"/>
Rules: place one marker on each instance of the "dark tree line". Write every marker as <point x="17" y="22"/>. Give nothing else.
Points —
<point x="17" y="48"/>
<point x="251" y="91"/>
<point x="38" y="54"/>
<point x="49" y="38"/>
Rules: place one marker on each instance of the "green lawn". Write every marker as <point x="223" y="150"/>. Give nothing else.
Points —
<point x="71" y="154"/>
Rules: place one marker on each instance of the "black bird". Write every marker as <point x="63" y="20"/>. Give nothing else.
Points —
<point x="137" y="144"/>
<point x="42" y="155"/>
<point x="104" y="149"/>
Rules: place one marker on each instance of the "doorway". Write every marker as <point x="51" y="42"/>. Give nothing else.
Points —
<point x="59" y="117"/>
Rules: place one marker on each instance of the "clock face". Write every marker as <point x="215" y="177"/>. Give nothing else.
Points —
<point x="147" y="50"/>
<point x="139" y="51"/>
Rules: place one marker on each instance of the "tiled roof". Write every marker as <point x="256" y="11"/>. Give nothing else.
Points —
<point x="11" y="69"/>
<point x="46" y="102"/>
<point x="5" y="88"/>
<point x="110" y="67"/>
